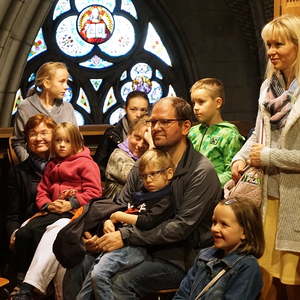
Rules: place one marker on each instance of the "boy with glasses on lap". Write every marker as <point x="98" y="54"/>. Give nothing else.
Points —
<point x="150" y="207"/>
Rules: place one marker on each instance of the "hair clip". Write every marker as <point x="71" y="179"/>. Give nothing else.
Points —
<point x="230" y="201"/>
<point x="38" y="88"/>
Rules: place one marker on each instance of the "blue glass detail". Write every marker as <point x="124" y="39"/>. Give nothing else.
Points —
<point x="96" y="83"/>
<point x="158" y="74"/>
<point x="38" y="46"/>
<point x="156" y="92"/>
<point x="154" y="45"/>
<point x="61" y="7"/>
<point x="122" y="39"/>
<point x="81" y="4"/>
<point x="31" y="77"/>
<point x="128" y="6"/>
<point x="123" y="76"/>
<point x="96" y="62"/>
<point x="68" y="95"/>
<point x="68" y="39"/>
<point x="79" y="118"/>
<point x="117" y="115"/>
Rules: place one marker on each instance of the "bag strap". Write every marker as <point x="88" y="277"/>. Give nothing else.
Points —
<point x="216" y="278"/>
<point x="211" y="283"/>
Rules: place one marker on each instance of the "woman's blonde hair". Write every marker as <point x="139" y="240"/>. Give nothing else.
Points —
<point x="74" y="135"/>
<point x="45" y="71"/>
<point x="157" y="158"/>
<point x="249" y="217"/>
<point x="285" y="28"/>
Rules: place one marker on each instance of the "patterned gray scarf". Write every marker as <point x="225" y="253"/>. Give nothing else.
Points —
<point x="278" y="101"/>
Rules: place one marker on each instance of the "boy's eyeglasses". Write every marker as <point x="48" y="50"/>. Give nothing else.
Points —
<point x="152" y="175"/>
<point x="163" y="122"/>
<point x="42" y="134"/>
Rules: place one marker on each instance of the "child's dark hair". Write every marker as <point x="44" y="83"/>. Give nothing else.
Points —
<point x="158" y="158"/>
<point x="76" y="138"/>
<point x="135" y="94"/>
<point x="249" y="217"/>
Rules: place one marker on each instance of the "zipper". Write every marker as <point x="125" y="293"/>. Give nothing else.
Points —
<point x="203" y="138"/>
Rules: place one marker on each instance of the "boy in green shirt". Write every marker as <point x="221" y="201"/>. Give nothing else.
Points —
<point x="216" y="139"/>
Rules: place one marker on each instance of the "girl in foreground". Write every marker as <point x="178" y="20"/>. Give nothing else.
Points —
<point x="232" y="262"/>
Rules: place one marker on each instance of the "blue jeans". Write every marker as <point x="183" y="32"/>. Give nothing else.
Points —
<point x="97" y="284"/>
<point x="145" y="278"/>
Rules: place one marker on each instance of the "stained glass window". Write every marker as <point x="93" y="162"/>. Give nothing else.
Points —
<point x="38" y="46"/>
<point x="18" y="100"/>
<point x="96" y="83"/>
<point x="111" y="47"/>
<point x="61" y="7"/>
<point x="154" y="45"/>
<point x="110" y="100"/>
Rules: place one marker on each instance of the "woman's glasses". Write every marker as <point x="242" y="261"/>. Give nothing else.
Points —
<point x="42" y="134"/>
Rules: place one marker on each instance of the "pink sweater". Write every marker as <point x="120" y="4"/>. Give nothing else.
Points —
<point x="78" y="172"/>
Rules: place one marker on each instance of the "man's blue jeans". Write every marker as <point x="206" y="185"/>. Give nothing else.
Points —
<point x="97" y="284"/>
<point x="145" y="278"/>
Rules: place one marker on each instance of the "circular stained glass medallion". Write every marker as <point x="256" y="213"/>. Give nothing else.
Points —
<point x="95" y="24"/>
<point x="142" y="84"/>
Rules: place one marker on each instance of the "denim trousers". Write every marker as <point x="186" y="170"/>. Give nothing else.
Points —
<point x="97" y="284"/>
<point x="147" y="277"/>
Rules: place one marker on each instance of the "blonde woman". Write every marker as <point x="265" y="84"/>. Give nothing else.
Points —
<point x="46" y="97"/>
<point x="278" y="121"/>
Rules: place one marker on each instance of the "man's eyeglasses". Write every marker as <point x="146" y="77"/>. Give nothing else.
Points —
<point x="163" y="122"/>
<point x="152" y="175"/>
<point x="42" y="134"/>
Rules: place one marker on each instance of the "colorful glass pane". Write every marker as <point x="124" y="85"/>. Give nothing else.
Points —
<point x="126" y="89"/>
<point x="123" y="76"/>
<point x="141" y="69"/>
<point x="83" y="101"/>
<point x="96" y="62"/>
<point x="68" y="95"/>
<point x="142" y="84"/>
<point x="61" y="7"/>
<point x="128" y="6"/>
<point x="95" y="24"/>
<point x="68" y="39"/>
<point x="171" y="92"/>
<point x="38" y="46"/>
<point x="81" y="4"/>
<point x="158" y="74"/>
<point x="154" y="45"/>
<point x="156" y="92"/>
<point x="96" y="83"/>
<point x="110" y="100"/>
<point x="31" y="77"/>
<point x="18" y="100"/>
<point x="79" y="118"/>
<point x="117" y="115"/>
<point x="122" y="39"/>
